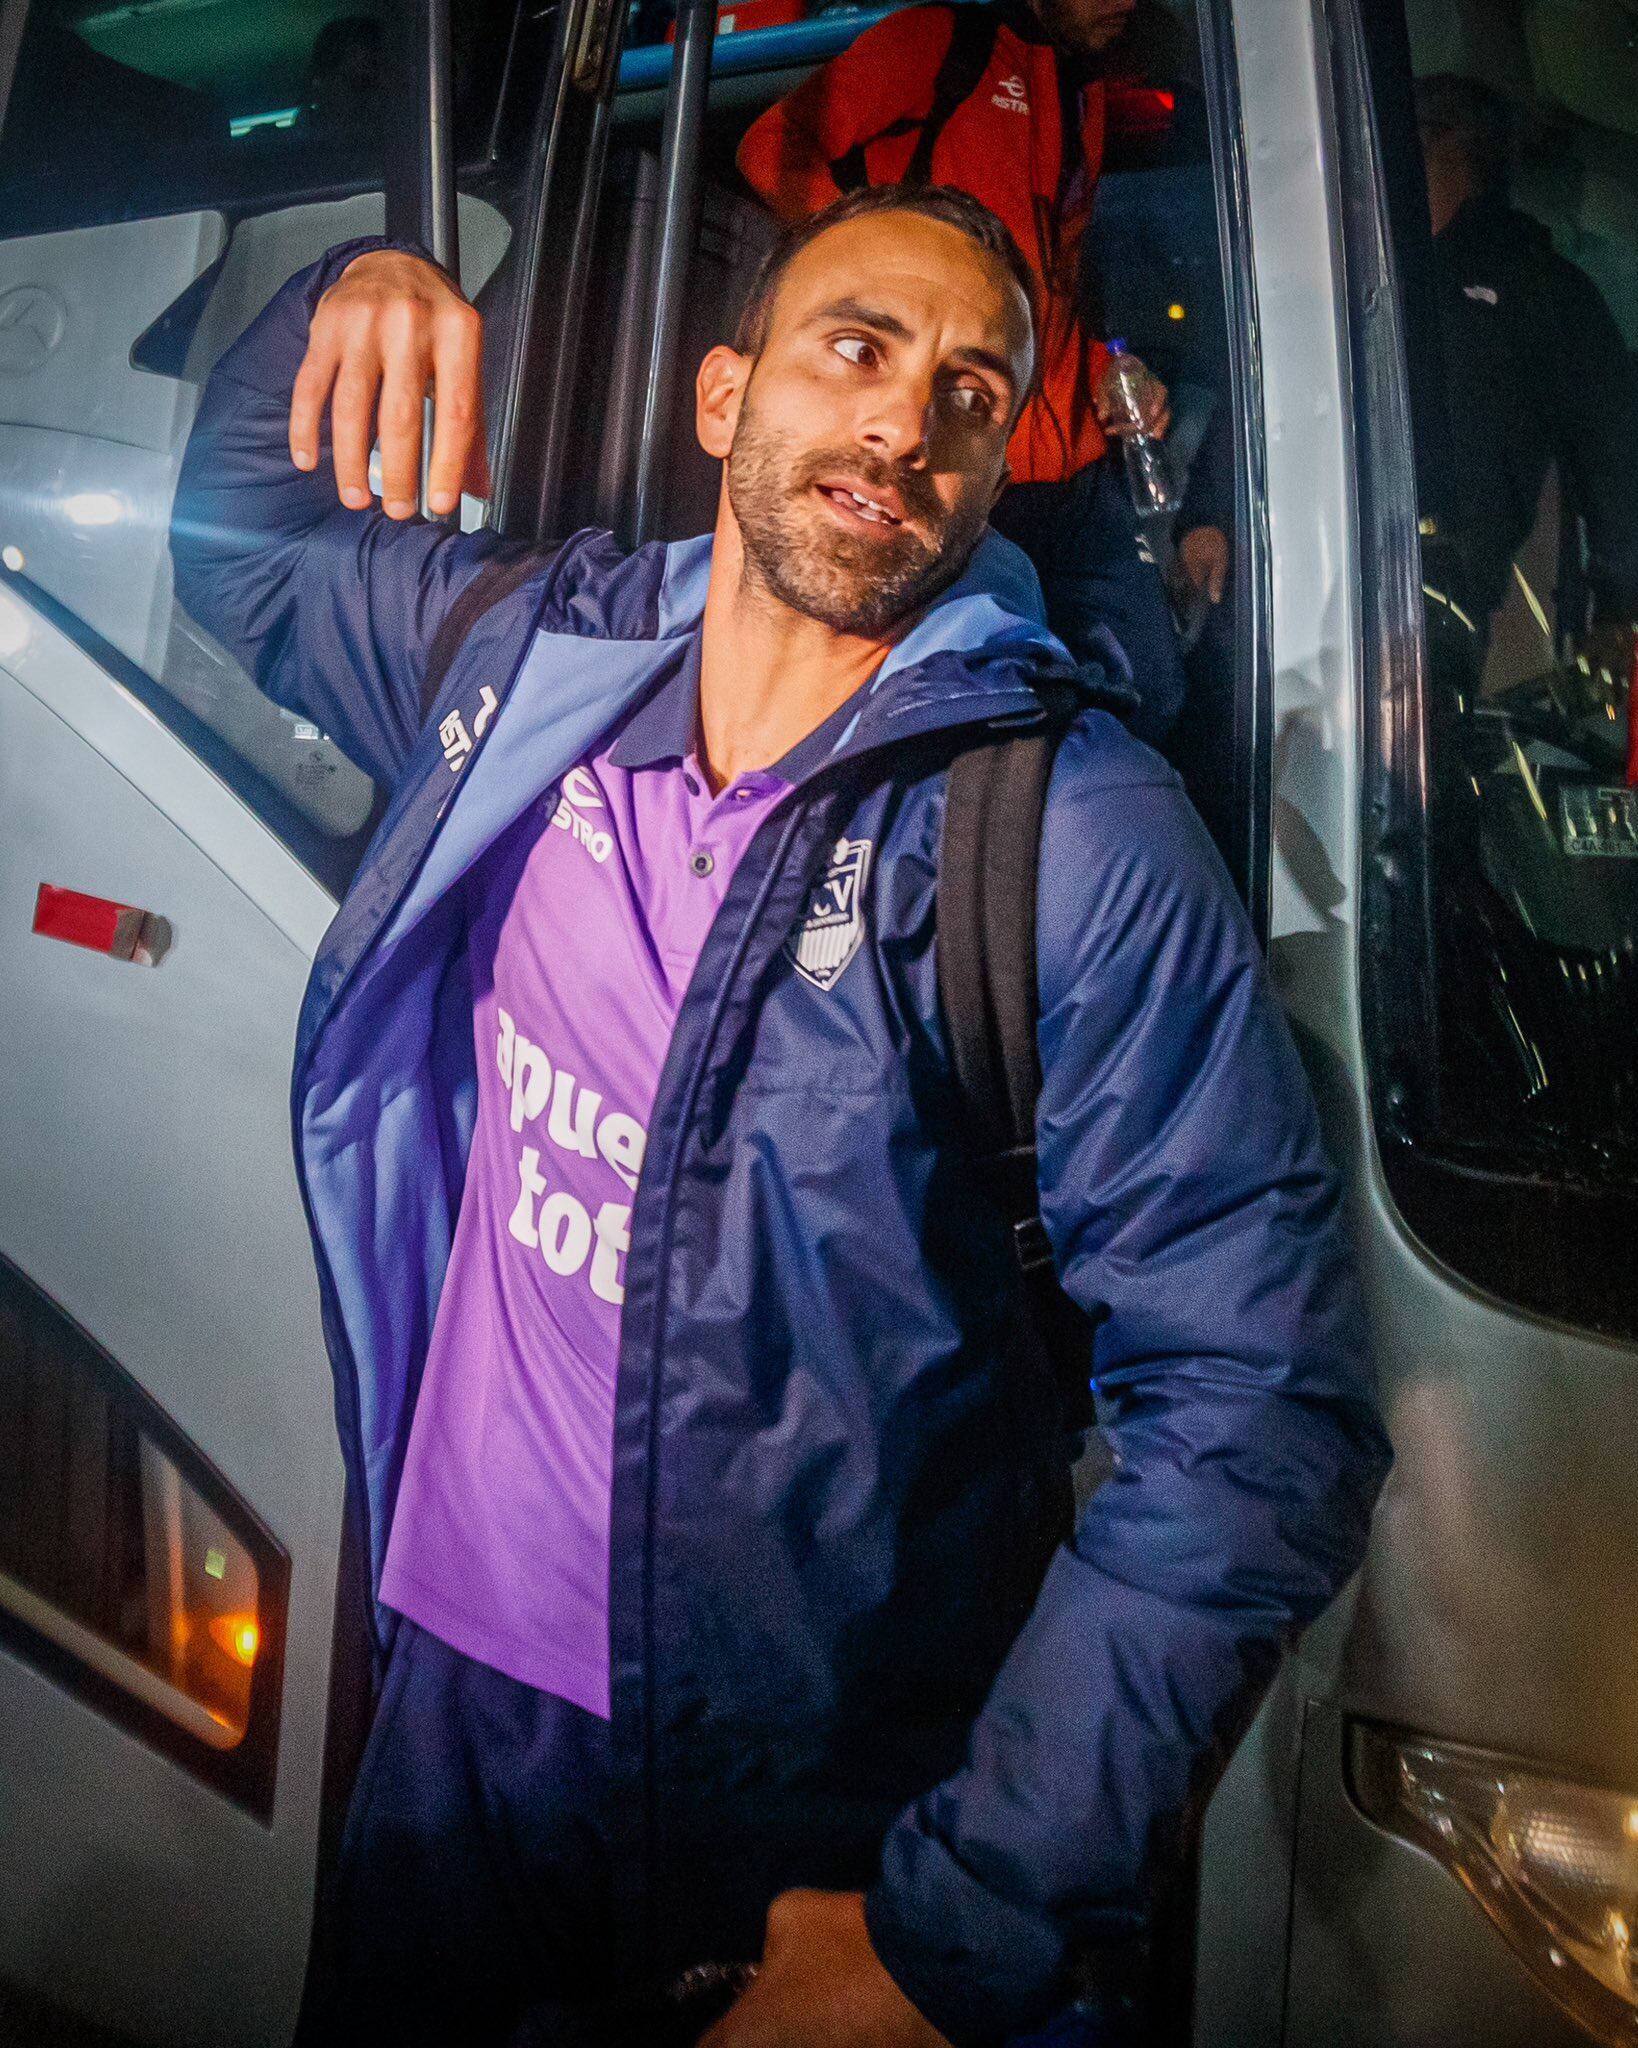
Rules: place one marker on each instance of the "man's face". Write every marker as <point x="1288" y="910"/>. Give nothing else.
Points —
<point x="866" y="441"/>
<point x="1083" y="27"/>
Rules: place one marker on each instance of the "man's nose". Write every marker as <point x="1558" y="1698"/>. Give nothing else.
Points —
<point x="897" y="422"/>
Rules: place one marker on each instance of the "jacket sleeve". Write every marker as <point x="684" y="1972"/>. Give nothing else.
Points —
<point x="332" y="611"/>
<point x="886" y="75"/>
<point x="1183" y="1184"/>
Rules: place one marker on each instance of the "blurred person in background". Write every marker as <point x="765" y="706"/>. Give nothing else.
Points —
<point x="1538" y="375"/>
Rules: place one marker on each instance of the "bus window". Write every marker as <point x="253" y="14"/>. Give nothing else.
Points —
<point x="1504" y="890"/>
<point x="127" y="1568"/>
<point x="161" y="175"/>
<point x="1151" y="270"/>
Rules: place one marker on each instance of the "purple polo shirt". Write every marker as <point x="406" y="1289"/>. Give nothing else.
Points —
<point x="586" y="919"/>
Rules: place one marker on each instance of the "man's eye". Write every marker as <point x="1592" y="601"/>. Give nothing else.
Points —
<point x="973" y="400"/>
<point x="858" y="349"/>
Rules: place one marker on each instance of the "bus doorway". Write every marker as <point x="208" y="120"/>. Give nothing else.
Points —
<point x="1426" y="1837"/>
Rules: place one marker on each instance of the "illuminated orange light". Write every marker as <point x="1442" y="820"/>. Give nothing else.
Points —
<point x="238" y="1635"/>
<point x="1175" y="311"/>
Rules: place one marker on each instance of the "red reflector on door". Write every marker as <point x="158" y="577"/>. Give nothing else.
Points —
<point x="117" y="929"/>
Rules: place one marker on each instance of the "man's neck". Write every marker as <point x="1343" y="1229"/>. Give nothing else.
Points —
<point x="769" y="676"/>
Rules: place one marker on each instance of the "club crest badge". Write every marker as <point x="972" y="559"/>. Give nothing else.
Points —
<point x="828" y="936"/>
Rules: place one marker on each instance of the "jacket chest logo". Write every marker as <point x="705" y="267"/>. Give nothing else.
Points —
<point x="1010" y="96"/>
<point x="828" y="935"/>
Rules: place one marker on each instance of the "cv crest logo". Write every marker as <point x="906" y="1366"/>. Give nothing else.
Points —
<point x="829" y="934"/>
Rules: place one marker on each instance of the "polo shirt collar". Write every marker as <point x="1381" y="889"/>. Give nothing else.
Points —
<point x="662" y="728"/>
<point x="665" y="725"/>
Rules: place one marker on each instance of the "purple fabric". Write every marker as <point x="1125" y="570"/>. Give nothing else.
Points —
<point x="586" y="920"/>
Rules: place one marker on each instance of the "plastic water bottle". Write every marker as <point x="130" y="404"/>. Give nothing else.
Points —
<point x="1124" y="386"/>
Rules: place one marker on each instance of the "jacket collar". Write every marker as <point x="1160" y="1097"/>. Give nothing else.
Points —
<point x="970" y="658"/>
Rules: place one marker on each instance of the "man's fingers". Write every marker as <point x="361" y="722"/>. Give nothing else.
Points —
<point x="388" y="332"/>
<point x="457" y="360"/>
<point x="311" y="389"/>
<point x="403" y="403"/>
<point x="352" y="427"/>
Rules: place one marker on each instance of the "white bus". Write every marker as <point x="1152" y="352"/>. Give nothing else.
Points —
<point x="1429" y="1839"/>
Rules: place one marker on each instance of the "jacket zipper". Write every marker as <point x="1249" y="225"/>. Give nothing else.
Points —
<point x="834" y="772"/>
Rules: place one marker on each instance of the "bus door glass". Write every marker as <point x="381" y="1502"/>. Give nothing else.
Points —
<point x="1504" y="994"/>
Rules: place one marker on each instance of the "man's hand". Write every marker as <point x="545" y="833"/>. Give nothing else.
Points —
<point x="391" y="328"/>
<point x="1201" y="564"/>
<point x="1154" y="403"/>
<point x="820" y="1985"/>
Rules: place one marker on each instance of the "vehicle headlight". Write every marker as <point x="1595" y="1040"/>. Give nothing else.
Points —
<point x="1554" y="1865"/>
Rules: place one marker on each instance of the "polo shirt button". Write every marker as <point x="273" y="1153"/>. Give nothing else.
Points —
<point x="701" y="862"/>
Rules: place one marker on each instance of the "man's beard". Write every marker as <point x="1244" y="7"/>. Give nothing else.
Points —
<point x="860" y="584"/>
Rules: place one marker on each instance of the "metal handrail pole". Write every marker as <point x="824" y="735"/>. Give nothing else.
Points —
<point x="681" y="147"/>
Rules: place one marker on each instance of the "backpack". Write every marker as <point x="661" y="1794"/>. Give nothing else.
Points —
<point x="985" y="916"/>
<point x="972" y="44"/>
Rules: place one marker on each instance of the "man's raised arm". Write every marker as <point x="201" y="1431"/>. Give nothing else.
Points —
<point x="330" y="604"/>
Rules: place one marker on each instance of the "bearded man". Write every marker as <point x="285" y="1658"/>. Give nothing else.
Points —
<point x="725" y="1603"/>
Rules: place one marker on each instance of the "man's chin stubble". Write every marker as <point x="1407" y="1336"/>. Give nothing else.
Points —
<point x="850" y="598"/>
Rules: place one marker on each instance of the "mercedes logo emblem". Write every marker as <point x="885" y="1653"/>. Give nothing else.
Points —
<point x="32" y="323"/>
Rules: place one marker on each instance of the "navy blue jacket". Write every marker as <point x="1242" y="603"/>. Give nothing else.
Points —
<point x="854" y="1643"/>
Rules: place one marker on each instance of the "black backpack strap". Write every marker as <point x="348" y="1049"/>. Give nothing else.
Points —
<point x="972" y="44"/>
<point x="499" y="574"/>
<point x="960" y="71"/>
<point x="988" y="992"/>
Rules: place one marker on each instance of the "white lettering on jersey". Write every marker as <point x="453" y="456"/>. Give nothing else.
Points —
<point x="581" y="791"/>
<point x="580" y="794"/>
<point x="573" y="1117"/>
<point x="1010" y="97"/>
<point x="560" y="1227"/>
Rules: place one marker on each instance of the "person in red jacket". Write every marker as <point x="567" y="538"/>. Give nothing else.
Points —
<point x="1025" y="136"/>
<point x="1008" y="102"/>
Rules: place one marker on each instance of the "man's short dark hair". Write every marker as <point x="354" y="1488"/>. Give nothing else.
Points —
<point x="957" y="209"/>
<point x="1448" y="104"/>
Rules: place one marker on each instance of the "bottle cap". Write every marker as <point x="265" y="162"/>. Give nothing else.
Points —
<point x="1117" y="347"/>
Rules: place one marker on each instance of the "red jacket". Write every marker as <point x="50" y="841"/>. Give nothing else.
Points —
<point x="1004" y="144"/>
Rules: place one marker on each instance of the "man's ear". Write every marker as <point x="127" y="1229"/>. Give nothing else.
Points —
<point x="718" y="391"/>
